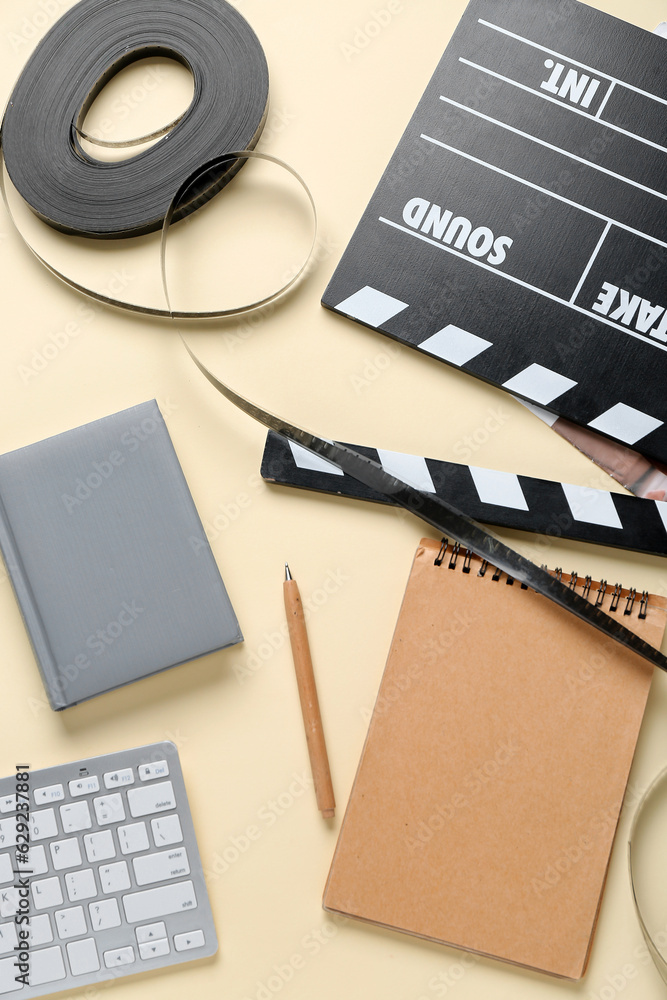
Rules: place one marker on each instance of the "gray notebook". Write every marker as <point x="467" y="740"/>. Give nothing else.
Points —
<point x="108" y="557"/>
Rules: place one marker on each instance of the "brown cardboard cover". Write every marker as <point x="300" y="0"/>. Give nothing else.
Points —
<point x="486" y="801"/>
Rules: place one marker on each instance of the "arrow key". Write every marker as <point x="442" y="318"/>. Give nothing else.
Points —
<point x="154" y="949"/>
<point x="151" y="932"/>
<point x="186" y="942"/>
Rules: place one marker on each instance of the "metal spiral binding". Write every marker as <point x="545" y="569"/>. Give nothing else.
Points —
<point x="615" y="597"/>
<point x="453" y="559"/>
<point x="572" y="583"/>
<point x="441" y="554"/>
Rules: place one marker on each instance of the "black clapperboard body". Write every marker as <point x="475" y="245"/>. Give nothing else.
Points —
<point x="519" y="231"/>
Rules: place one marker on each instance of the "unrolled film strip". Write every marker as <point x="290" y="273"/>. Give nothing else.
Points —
<point x="542" y="506"/>
<point x="658" y="957"/>
<point x="446" y="518"/>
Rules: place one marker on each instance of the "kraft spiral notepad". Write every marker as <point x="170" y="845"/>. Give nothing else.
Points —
<point x="486" y="801"/>
<point x="108" y="557"/>
<point x="519" y="231"/>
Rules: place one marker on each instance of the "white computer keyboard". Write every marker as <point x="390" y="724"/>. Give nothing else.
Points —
<point x="112" y="883"/>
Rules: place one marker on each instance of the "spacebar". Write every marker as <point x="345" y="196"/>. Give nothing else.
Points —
<point x="159" y="902"/>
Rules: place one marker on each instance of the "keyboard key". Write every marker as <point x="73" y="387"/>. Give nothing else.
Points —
<point x="155" y="949"/>
<point x="167" y="830"/>
<point x="151" y="799"/>
<point x="43" y="825"/>
<point x="151" y="932"/>
<point x="8" y="938"/>
<point x="7" y="832"/>
<point x="70" y="922"/>
<point x="46" y="966"/>
<point x="160" y="867"/>
<point x="133" y="838"/>
<point x="115" y="778"/>
<point x="37" y="863"/>
<point x="114" y="878"/>
<point x="84" y="786"/>
<point x="99" y="846"/>
<point x="51" y="793"/>
<point x="6" y="869"/>
<point x="47" y="893"/>
<point x="65" y="854"/>
<point x="81" y="885"/>
<point x="75" y="817"/>
<point x="159" y="769"/>
<point x="83" y="957"/>
<point x="9" y="902"/>
<point x="122" y="956"/>
<point x="188" y="942"/>
<point x="104" y="914"/>
<point x="8" y="982"/>
<point x="159" y="902"/>
<point x="109" y="809"/>
<point x="8" y="803"/>
<point x="40" y="930"/>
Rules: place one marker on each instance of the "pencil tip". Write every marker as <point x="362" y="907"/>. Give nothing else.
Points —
<point x="288" y="575"/>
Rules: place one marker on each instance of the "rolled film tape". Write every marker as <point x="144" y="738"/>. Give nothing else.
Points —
<point x="203" y="149"/>
<point x="80" y="195"/>
<point x="658" y="957"/>
<point x="124" y="143"/>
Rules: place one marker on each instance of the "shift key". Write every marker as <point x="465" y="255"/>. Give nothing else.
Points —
<point x="151" y="799"/>
<point x="160" y="902"/>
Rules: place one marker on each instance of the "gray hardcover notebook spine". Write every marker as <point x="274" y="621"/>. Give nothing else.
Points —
<point x="30" y="612"/>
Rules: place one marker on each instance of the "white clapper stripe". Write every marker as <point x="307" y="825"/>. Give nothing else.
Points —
<point x="304" y="459"/>
<point x="411" y="469"/>
<point x="592" y="506"/>
<point x="502" y="489"/>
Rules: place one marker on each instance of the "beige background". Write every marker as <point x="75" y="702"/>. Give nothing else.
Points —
<point x="341" y="96"/>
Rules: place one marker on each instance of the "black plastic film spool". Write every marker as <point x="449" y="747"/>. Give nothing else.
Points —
<point x="83" y="196"/>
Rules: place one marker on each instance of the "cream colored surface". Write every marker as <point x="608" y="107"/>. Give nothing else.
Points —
<point x="336" y="115"/>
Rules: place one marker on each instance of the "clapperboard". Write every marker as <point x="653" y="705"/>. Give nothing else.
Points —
<point x="545" y="507"/>
<point x="519" y="231"/>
